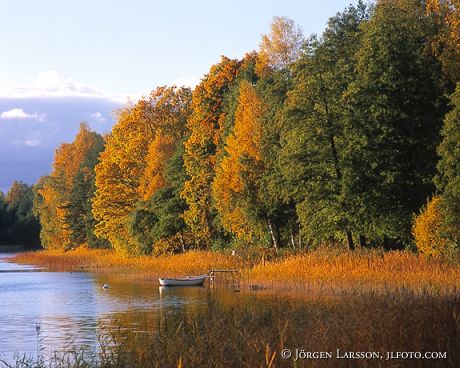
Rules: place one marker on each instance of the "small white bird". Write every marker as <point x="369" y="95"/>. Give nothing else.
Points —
<point x="105" y="286"/>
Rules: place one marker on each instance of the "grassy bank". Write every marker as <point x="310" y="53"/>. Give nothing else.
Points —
<point x="321" y="270"/>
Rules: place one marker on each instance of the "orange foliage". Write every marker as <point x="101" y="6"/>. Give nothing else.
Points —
<point x="446" y="44"/>
<point x="123" y="163"/>
<point x="160" y="151"/>
<point x="54" y="190"/>
<point x="200" y="148"/>
<point x="243" y="148"/>
<point x="429" y="229"/>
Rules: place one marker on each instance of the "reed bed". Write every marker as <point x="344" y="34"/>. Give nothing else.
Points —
<point x="321" y="270"/>
<point x="361" y="270"/>
<point x="139" y="267"/>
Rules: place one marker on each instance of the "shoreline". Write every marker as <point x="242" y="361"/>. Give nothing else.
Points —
<point x="337" y="272"/>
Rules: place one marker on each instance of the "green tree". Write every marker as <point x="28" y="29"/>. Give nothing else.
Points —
<point x="395" y="108"/>
<point x="18" y="224"/>
<point x="448" y="179"/>
<point x="160" y="217"/>
<point x="313" y="155"/>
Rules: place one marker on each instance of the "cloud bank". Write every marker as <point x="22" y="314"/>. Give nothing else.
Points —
<point x="20" y="114"/>
<point x="54" y="83"/>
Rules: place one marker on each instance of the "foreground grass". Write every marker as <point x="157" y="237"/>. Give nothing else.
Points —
<point x="332" y="270"/>
<point x="254" y="331"/>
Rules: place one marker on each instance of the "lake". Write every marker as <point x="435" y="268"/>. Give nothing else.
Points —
<point x="42" y="312"/>
<point x="49" y="310"/>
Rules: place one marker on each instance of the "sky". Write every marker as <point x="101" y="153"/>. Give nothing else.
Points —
<point x="58" y="59"/>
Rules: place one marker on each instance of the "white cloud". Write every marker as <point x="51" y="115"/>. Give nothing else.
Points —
<point x="32" y="142"/>
<point x="189" y="81"/>
<point x="97" y="116"/>
<point x="54" y="83"/>
<point x="20" y="114"/>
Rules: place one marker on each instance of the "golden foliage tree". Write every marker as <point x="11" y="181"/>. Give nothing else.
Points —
<point x="160" y="151"/>
<point x="122" y="169"/>
<point x="429" y="230"/>
<point x="53" y="191"/>
<point x="239" y="170"/>
<point x="280" y="47"/>
<point x="446" y="43"/>
<point x="200" y="148"/>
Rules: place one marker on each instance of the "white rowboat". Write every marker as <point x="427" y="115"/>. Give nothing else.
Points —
<point x="188" y="281"/>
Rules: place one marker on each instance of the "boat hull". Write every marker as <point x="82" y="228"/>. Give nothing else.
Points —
<point x="188" y="281"/>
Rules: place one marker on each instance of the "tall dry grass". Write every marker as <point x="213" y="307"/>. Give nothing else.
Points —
<point x="361" y="270"/>
<point x="333" y="270"/>
<point x="140" y="267"/>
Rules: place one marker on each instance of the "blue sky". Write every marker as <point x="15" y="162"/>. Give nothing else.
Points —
<point x="129" y="47"/>
<point x="63" y="61"/>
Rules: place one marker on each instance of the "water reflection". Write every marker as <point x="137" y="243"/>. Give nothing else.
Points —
<point x="70" y="307"/>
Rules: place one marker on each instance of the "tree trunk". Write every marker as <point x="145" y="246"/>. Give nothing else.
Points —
<point x="292" y="240"/>
<point x="351" y="244"/>
<point x="273" y="235"/>
<point x="181" y="241"/>
<point x="386" y="243"/>
<point x="362" y="241"/>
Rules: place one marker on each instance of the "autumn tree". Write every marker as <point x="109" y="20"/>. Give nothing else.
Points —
<point x="445" y="43"/>
<point x="45" y="203"/>
<point x="53" y="192"/>
<point x="79" y="215"/>
<point x="237" y="177"/>
<point x="161" y="149"/>
<point x="281" y="47"/>
<point x="201" y="148"/>
<point x="436" y="229"/>
<point x="120" y="173"/>
<point x="431" y="232"/>
<point x="157" y="223"/>
<point x="394" y="113"/>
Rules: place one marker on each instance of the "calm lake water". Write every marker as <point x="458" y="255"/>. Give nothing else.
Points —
<point x="49" y="310"/>
<point x="42" y="312"/>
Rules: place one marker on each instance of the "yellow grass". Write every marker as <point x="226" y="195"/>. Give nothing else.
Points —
<point x="141" y="267"/>
<point x="322" y="269"/>
<point x="365" y="270"/>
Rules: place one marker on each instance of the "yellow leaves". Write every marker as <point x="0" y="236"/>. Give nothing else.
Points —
<point x="200" y="147"/>
<point x="160" y="151"/>
<point x="118" y="176"/>
<point x="281" y="47"/>
<point x="54" y="190"/>
<point x="429" y="230"/>
<point x="131" y="167"/>
<point x="446" y="44"/>
<point x="243" y="148"/>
